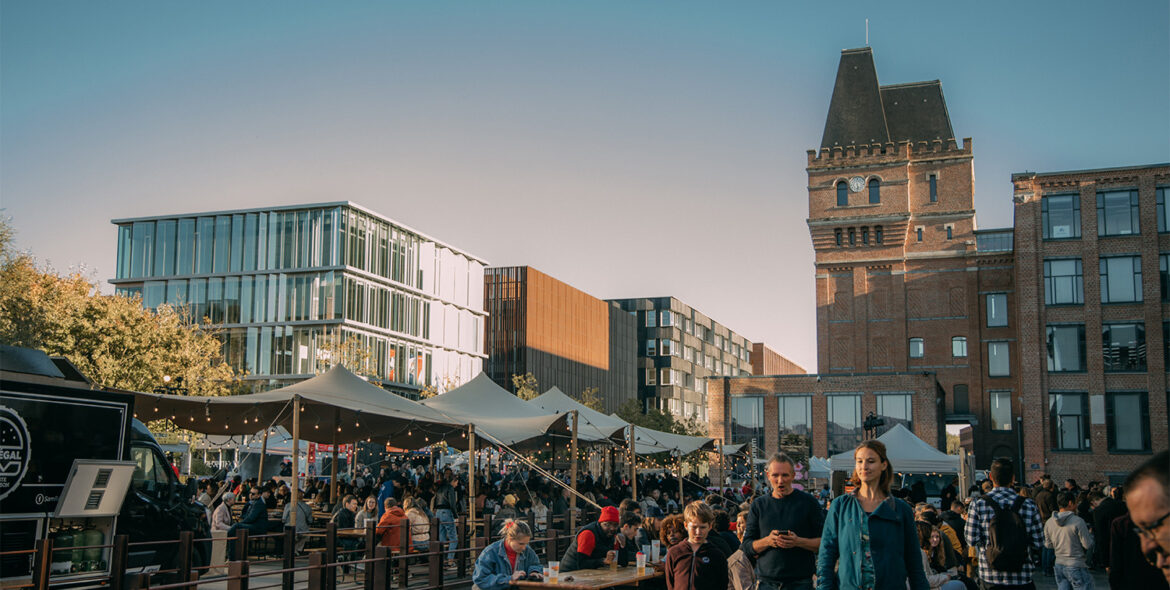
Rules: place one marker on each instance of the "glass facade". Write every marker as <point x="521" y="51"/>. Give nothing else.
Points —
<point x="795" y="414"/>
<point x="747" y="421"/>
<point x="291" y="287"/>
<point x="895" y="408"/>
<point x="1069" y="416"/>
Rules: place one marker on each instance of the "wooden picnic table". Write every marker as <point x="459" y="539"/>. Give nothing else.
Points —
<point x="595" y="579"/>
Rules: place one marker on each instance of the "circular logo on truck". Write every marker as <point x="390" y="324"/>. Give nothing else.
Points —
<point x="14" y="450"/>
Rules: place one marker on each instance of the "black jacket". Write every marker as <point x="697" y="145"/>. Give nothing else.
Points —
<point x="595" y="558"/>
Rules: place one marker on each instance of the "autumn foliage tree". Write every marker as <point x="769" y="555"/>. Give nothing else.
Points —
<point x="112" y="339"/>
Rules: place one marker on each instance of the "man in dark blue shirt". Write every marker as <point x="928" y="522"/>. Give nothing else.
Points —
<point x="784" y="531"/>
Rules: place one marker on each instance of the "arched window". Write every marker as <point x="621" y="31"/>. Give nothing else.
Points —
<point x="842" y="194"/>
<point x="875" y="196"/>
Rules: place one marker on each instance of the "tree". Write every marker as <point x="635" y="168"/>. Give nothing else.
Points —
<point x="443" y="386"/>
<point x="953" y="445"/>
<point x="591" y="399"/>
<point x="112" y="339"/>
<point x="345" y="349"/>
<point x="526" y="386"/>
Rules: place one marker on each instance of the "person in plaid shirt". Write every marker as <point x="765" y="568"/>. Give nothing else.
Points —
<point x="979" y="522"/>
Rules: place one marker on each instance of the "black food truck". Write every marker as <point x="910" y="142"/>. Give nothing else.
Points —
<point x="50" y="417"/>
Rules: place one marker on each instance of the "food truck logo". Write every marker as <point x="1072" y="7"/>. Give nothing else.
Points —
<point x="14" y="450"/>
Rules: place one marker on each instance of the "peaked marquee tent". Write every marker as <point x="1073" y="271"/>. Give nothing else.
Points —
<point x="907" y="454"/>
<point x="500" y="415"/>
<point x="594" y="425"/>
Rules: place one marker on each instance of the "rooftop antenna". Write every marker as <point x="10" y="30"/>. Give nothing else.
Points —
<point x="867" y="32"/>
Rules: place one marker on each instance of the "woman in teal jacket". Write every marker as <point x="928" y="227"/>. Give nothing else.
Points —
<point x="508" y="559"/>
<point x="869" y="535"/>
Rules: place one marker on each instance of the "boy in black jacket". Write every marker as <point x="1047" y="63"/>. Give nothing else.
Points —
<point x="696" y="564"/>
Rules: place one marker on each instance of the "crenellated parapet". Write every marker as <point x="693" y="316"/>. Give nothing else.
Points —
<point x="888" y="152"/>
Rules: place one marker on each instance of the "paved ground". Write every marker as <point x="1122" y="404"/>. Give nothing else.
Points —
<point x="1049" y="583"/>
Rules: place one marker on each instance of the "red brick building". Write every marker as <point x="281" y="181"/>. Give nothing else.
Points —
<point x="923" y="319"/>
<point x="1091" y="251"/>
<point x="766" y="361"/>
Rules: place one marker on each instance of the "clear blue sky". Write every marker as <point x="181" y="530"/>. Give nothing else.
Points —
<point x="627" y="148"/>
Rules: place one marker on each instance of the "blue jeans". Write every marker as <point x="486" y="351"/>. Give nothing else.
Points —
<point x="1047" y="559"/>
<point x="1073" y="578"/>
<point x="447" y="530"/>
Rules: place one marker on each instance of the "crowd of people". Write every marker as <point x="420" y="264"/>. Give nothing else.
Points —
<point x="1000" y="535"/>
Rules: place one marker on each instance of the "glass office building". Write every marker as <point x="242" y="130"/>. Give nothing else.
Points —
<point x="289" y="287"/>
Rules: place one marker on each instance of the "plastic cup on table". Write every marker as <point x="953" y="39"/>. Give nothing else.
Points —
<point x="655" y="548"/>
<point x="641" y="558"/>
<point x="647" y="551"/>
<point x="547" y="573"/>
<point x="554" y="571"/>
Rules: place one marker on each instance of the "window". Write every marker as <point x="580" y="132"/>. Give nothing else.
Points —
<point x="844" y="427"/>
<point x="842" y="194"/>
<point x="950" y="232"/>
<point x="1117" y="213"/>
<point x="916" y="348"/>
<point x="1069" y="416"/>
<point x="651" y="376"/>
<point x="865" y="236"/>
<point x="1127" y="415"/>
<point x="1001" y="410"/>
<point x="959" y="346"/>
<point x="667" y="348"/>
<point x="1164" y="275"/>
<point x="150" y="474"/>
<point x="1163" y="213"/>
<point x="1123" y="347"/>
<point x="933" y="188"/>
<point x="666" y="377"/>
<point x="667" y="320"/>
<point x="1063" y="282"/>
<point x="997" y="310"/>
<point x="1061" y="216"/>
<point x="962" y="403"/>
<point x="650" y="318"/>
<point x="1066" y="348"/>
<point x="795" y="422"/>
<point x="875" y="195"/>
<point x="895" y="409"/>
<point x="877" y="234"/>
<point x="747" y="420"/>
<point x="1121" y="279"/>
<point x="998" y="363"/>
<point x="837" y="235"/>
<point x="918" y="232"/>
<point x="852" y="237"/>
<point x="651" y="347"/>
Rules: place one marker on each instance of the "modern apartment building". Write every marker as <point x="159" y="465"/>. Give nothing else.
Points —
<point x="565" y="337"/>
<point x="679" y="349"/>
<point x="290" y="287"/>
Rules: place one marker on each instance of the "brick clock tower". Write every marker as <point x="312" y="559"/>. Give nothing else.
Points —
<point x="901" y="285"/>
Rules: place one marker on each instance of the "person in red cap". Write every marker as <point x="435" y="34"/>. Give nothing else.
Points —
<point x="593" y="547"/>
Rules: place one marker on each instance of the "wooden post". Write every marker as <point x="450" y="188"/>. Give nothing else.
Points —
<point x="237" y="575"/>
<point x="289" y="558"/>
<point x="263" y="453"/>
<point x="296" y="461"/>
<point x="184" y="556"/>
<point x="719" y="484"/>
<point x="316" y="570"/>
<point x="42" y="565"/>
<point x="631" y="443"/>
<point x="470" y="479"/>
<point x="573" y="475"/>
<point x="333" y="468"/>
<point x="681" y="502"/>
<point x="118" y="557"/>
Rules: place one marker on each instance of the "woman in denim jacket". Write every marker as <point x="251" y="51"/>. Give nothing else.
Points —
<point x="870" y="536"/>
<point x="508" y="559"/>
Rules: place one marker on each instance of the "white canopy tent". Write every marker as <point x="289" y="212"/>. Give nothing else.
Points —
<point x="594" y="424"/>
<point x="499" y="415"/>
<point x="819" y="468"/>
<point x="907" y="453"/>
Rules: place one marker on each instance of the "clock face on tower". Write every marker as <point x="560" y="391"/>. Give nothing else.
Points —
<point x="856" y="184"/>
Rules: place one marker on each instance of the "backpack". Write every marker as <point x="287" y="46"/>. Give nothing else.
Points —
<point x="1007" y="537"/>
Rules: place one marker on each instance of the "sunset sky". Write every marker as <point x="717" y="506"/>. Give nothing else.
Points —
<point x="629" y="149"/>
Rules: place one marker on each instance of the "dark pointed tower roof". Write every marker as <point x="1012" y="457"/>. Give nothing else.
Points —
<point x="862" y="112"/>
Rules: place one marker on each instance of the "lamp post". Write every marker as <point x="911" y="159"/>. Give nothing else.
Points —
<point x="871" y="424"/>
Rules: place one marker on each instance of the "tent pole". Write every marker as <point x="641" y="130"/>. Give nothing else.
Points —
<point x="296" y="460"/>
<point x="719" y="484"/>
<point x="263" y="453"/>
<point x="633" y="463"/>
<point x="333" y="467"/>
<point x="471" y="481"/>
<point x="681" y="503"/>
<point x="573" y="476"/>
